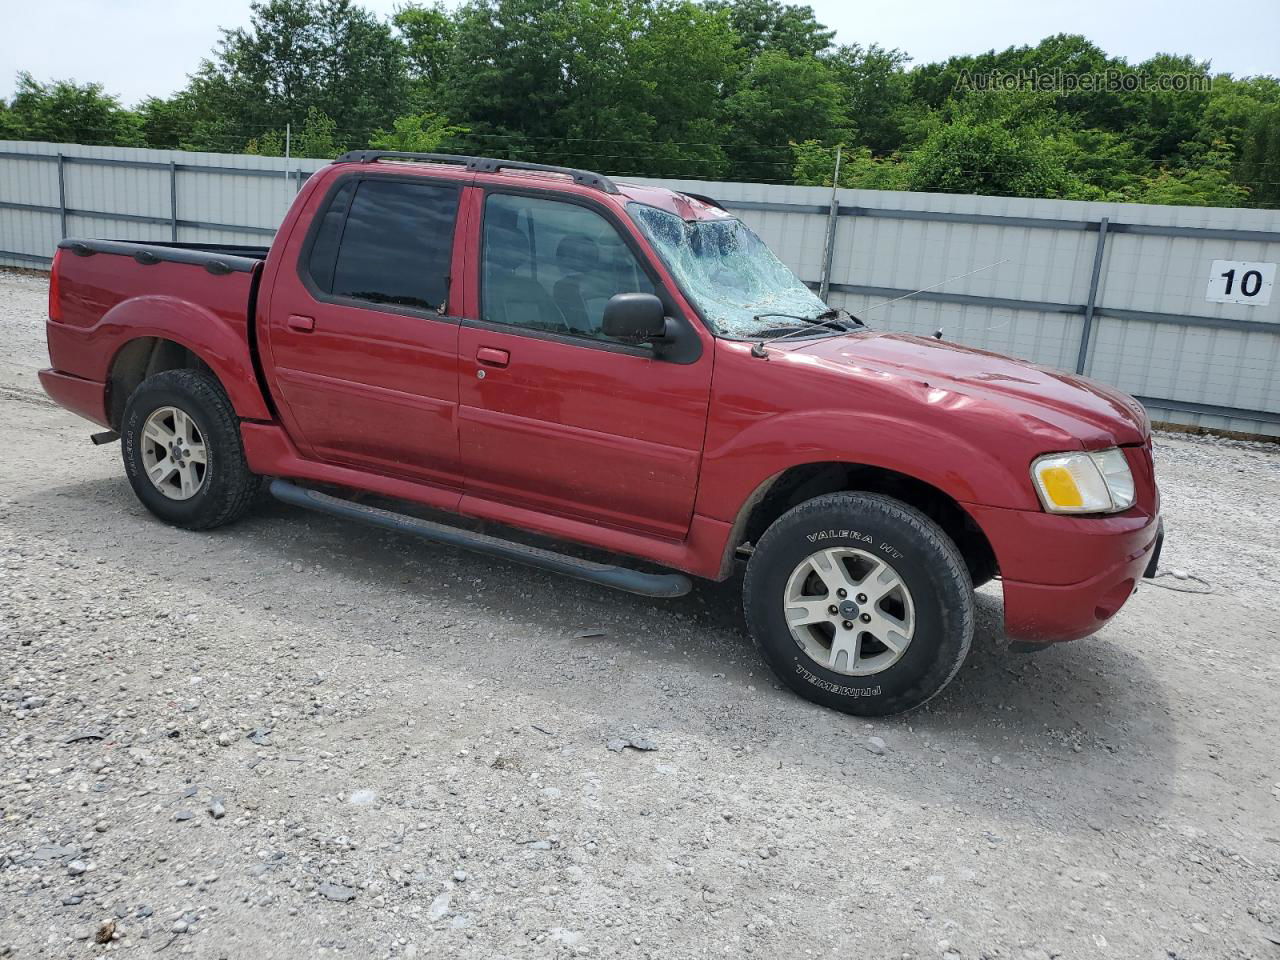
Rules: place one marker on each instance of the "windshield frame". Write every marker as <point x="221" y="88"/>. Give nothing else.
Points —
<point x="813" y="327"/>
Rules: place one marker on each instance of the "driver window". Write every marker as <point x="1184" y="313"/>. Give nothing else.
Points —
<point x="552" y="266"/>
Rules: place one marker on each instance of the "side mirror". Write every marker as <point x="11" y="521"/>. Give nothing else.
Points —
<point x="634" y="316"/>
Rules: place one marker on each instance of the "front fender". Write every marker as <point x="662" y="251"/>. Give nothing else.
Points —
<point x="736" y="467"/>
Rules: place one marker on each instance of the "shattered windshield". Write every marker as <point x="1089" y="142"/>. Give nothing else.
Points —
<point x="727" y="271"/>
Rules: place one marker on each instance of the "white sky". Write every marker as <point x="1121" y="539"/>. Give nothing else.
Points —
<point x="140" y="47"/>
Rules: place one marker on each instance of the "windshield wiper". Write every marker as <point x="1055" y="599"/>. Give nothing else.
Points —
<point x="825" y="319"/>
<point x="828" y="319"/>
<point x="836" y="311"/>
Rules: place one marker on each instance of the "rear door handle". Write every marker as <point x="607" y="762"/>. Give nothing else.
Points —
<point x="493" y="357"/>
<point x="302" y="324"/>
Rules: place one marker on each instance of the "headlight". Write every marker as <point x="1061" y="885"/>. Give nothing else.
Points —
<point x="1084" y="482"/>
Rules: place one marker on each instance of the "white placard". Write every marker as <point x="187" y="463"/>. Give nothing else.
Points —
<point x="1238" y="281"/>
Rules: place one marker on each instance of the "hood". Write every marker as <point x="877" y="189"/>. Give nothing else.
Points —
<point x="1102" y="416"/>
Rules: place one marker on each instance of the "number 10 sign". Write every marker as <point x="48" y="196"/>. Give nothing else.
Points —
<point x="1236" y="281"/>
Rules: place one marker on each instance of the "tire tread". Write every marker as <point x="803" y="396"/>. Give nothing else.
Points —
<point x="234" y="493"/>
<point x="855" y="503"/>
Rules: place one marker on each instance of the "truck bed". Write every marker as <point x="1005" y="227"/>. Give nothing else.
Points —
<point x="107" y="294"/>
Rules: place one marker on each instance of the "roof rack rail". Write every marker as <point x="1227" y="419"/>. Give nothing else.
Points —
<point x="583" y="178"/>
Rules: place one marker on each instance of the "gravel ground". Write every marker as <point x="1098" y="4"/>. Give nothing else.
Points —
<point x="295" y="737"/>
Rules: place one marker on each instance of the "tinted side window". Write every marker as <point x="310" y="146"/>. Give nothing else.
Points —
<point x="324" y="249"/>
<point x="395" y="244"/>
<point x="552" y="266"/>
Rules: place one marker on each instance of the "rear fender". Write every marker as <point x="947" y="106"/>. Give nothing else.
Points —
<point x="220" y="343"/>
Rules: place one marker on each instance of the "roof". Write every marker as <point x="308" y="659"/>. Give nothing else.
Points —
<point x="685" y="206"/>
<point x="682" y="205"/>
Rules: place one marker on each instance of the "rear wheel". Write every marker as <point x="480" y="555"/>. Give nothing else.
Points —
<point x="180" y="440"/>
<point x="860" y="602"/>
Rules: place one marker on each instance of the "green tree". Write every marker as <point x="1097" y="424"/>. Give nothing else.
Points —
<point x="957" y="77"/>
<point x="815" y="164"/>
<point x="1163" y="124"/>
<point x="428" y="34"/>
<point x="1243" y="116"/>
<point x="628" y="86"/>
<point x="680" y="62"/>
<point x="168" y="123"/>
<point x="751" y="89"/>
<point x="1104" y="163"/>
<point x="66" y="112"/>
<point x="987" y="158"/>
<point x="296" y="56"/>
<point x="1258" y="166"/>
<point x="778" y="100"/>
<point x="877" y="94"/>
<point x="270" y="144"/>
<point x="318" y="136"/>
<point x="763" y="25"/>
<point x="416" y="133"/>
<point x="315" y="138"/>
<point x="504" y="75"/>
<point x="1207" y="184"/>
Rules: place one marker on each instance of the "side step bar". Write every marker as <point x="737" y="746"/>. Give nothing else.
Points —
<point x="619" y="578"/>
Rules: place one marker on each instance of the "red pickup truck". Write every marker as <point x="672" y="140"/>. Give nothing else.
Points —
<point x="620" y="367"/>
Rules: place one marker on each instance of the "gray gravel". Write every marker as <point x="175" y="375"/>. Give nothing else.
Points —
<point x="411" y="747"/>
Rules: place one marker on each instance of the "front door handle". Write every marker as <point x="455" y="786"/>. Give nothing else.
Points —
<point x="302" y="324"/>
<point x="493" y="357"/>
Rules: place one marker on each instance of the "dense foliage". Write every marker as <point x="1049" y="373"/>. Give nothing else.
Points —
<point x="741" y="89"/>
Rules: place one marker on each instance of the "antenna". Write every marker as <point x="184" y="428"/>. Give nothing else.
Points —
<point x="934" y="286"/>
<point x="758" y="348"/>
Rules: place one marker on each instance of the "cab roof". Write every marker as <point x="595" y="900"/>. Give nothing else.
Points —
<point x="685" y="206"/>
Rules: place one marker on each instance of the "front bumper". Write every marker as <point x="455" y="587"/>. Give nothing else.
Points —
<point x="1153" y="558"/>
<point x="1064" y="577"/>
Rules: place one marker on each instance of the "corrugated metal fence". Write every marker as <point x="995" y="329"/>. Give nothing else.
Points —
<point x="1118" y="291"/>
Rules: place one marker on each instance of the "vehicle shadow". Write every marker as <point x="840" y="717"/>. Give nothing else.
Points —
<point x="1051" y="734"/>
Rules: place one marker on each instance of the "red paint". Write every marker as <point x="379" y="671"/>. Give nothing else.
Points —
<point x="615" y="448"/>
<point x="55" y="290"/>
<point x="85" y="397"/>
<point x="492" y="357"/>
<point x="107" y="301"/>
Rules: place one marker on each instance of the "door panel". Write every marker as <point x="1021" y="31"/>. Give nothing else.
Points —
<point x="581" y="430"/>
<point x="373" y="389"/>
<point x="363" y="365"/>
<point x="554" y="415"/>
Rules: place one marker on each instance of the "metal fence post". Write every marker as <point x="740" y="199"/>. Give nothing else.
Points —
<point x="1083" y="356"/>
<point x="829" y="250"/>
<point x="62" y="193"/>
<point x="173" y="200"/>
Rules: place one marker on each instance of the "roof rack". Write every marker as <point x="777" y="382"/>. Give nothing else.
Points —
<point x="583" y="178"/>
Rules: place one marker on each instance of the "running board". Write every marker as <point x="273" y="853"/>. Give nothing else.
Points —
<point x="607" y="575"/>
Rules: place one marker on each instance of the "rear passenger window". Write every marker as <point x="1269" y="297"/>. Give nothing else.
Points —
<point x="324" y="250"/>
<point x="388" y="242"/>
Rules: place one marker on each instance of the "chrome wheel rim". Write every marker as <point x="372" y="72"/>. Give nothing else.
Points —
<point x="174" y="455"/>
<point x="849" y="611"/>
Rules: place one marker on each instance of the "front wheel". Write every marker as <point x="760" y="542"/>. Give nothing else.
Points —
<point x="180" y="440"/>
<point x="860" y="602"/>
